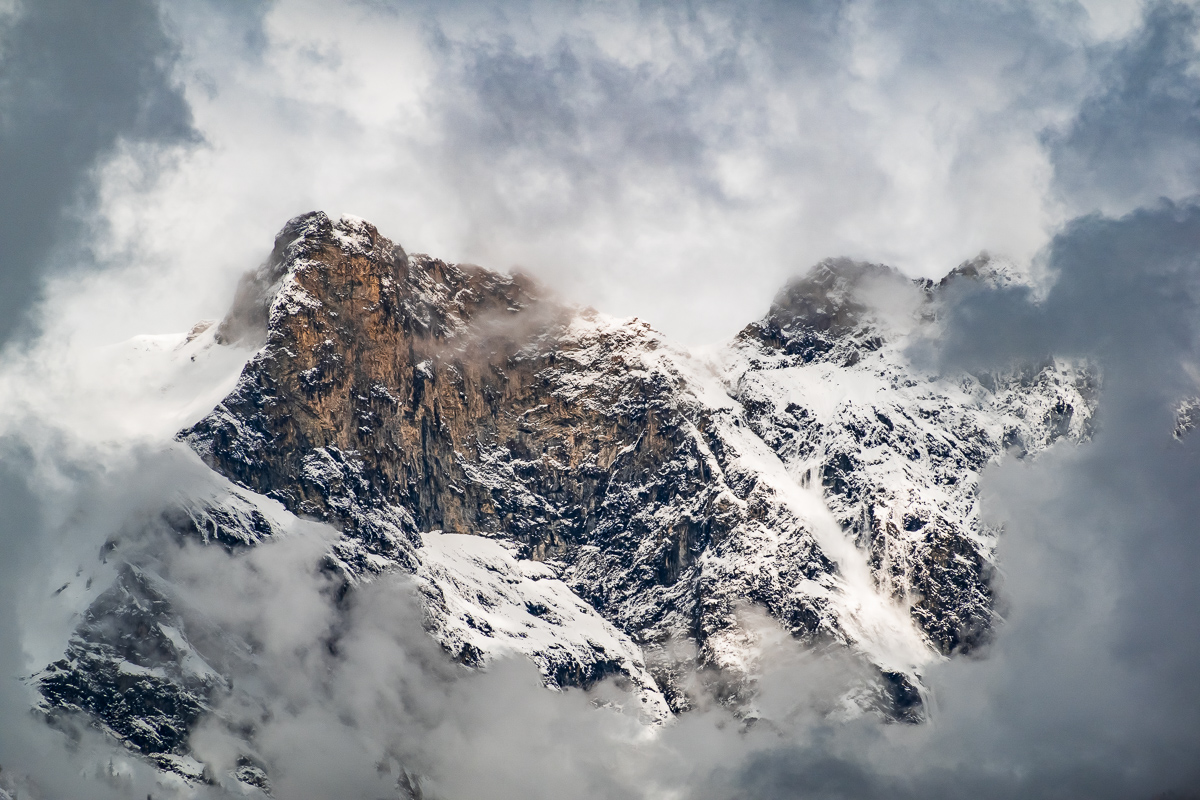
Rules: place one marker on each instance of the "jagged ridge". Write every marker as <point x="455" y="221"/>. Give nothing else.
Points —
<point x="812" y="468"/>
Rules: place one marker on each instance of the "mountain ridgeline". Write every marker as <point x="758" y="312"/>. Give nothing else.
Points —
<point x="576" y="488"/>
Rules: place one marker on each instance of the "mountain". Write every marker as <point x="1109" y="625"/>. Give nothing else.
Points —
<point x="577" y="489"/>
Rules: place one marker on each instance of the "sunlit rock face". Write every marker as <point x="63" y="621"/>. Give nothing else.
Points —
<point x="574" y="488"/>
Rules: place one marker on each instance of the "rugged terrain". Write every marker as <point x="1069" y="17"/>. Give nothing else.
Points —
<point x="574" y="488"/>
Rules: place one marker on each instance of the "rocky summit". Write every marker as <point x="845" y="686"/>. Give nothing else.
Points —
<point x="577" y="489"/>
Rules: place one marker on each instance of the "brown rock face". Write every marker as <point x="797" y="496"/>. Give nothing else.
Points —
<point x="377" y="369"/>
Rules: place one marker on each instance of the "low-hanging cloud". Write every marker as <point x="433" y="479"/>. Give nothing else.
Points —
<point x="75" y="81"/>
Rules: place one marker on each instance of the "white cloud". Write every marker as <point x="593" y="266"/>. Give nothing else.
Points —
<point x="670" y="163"/>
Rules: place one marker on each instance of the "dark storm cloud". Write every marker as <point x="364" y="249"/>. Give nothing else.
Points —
<point x="75" y="77"/>
<point x="19" y="509"/>
<point x="1137" y="138"/>
<point x="1127" y="296"/>
<point x="1125" y="291"/>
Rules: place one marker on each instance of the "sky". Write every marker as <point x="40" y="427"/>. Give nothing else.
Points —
<point x="676" y="162"/>
<point x="672" y="161"/>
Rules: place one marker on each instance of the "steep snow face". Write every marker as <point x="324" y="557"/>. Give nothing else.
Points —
<point x="483" y="603"/>
<point x="141" y="390"/>
<point x="894" y="450"/>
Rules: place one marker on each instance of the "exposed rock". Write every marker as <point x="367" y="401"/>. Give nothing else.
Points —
<point x="143" y="666"/>
<point x="130" y="670"/>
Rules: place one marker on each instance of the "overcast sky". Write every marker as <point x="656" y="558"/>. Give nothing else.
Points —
<point x="678" y="162"/>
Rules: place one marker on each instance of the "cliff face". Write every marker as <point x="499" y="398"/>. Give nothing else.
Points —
<point x="811" y="469"/>
<point x="342" y="415"/>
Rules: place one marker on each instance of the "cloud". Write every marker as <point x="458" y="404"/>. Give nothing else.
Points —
<point x="1135" y="137"/>
<point x="635" y="156"/>
<point x="76" y="79"/>
<point x="1124" y="291"/>
<point x="674" y="161"/>
<point x="1087" y="688"/>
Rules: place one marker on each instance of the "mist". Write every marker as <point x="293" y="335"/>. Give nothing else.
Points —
<point x="677" y="162"/>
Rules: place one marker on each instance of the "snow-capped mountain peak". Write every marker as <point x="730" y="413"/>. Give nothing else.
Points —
<point x="576" y="489"/>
